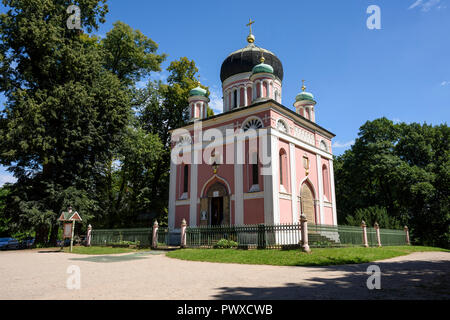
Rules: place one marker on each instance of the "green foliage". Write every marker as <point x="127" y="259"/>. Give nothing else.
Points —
<point x="403" y="169"/>
<point x="129" y="54"/>
<point x="225" y="243"/>
<point x="4" y="220"/>
<point x="68" y="108"/>
<point x="371" y="215"/>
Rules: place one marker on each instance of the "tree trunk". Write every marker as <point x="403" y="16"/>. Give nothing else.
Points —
<point x="54" y="235"/>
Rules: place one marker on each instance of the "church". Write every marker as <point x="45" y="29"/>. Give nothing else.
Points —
<point x="297" y="179"/>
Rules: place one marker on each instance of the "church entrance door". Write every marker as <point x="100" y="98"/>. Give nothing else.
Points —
<point x="216" y="211"/>
<point x="215" y="206"/>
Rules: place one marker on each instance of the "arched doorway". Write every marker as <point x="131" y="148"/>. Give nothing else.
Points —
<point x="215" y="206"/>
<point x="307" y="203"/>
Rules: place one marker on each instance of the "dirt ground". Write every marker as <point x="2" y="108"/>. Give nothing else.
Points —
<point x="43" y="274"/>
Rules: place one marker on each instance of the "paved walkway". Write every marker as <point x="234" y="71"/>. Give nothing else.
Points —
<point x="41" y="274"/>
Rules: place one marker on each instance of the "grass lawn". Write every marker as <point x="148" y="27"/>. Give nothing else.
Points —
<point x="101" y="250"/>
<point x="317" y="257"/>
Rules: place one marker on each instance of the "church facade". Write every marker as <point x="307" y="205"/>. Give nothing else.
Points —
<point x="266" y="163"/>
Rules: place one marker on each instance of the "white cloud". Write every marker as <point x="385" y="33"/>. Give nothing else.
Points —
<point x="338" y="144"/>
<point x="6" y="178"/>
<point x="216" y="102"/>
<point x="426" y="5"/>
<point x="445" y="83"/>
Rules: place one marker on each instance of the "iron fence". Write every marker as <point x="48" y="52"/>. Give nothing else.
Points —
<point x="286" y="236"/>
<point x="247" y="236"/>
<point x="137" y="236"/>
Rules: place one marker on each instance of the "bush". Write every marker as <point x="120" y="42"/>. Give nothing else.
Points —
<point x="224" y="244"/>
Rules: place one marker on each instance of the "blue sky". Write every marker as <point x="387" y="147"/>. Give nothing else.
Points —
<point x="401" y="71"/>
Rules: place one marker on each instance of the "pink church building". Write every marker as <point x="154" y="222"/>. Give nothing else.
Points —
<point x="224" y="191"/>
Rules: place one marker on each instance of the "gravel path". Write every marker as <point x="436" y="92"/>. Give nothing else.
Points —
<point x="40" y="274"/>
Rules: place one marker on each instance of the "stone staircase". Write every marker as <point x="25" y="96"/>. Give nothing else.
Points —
<point x="318" y="240"/>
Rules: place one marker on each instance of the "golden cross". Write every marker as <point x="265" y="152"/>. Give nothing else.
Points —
<point x="249" y="24"/>
<point x="303" y="85"/>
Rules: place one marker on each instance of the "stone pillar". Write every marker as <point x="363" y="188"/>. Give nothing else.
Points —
<point x="364" y="228"/>
<point x="377" y="229"/>
<point x="407" y="236"/>
<point x="183" y="233"/>
<point x="304" y="228"/>
<point x="88" y="236"/>
<point x="155" y="235"/>
<point x="245" y="95"/>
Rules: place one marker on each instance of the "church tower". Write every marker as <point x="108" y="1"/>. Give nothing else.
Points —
<point x="304" y="104"/>
<point x="250" y="74"/>
<point x="198" y="104"/>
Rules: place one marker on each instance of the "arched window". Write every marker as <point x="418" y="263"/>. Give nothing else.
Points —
<point x="326" y="186"/>
<point x="266" y="89"/>
<point x="185" y="178"/>
<point x="235" y="101"/>
<point x="252" y="123"/>
<point x="283" y="168"/>
<point x="249" y="96"/>
<point x="276" y="95"/>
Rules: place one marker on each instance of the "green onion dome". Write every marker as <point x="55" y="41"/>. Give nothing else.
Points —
<point x="262" y="68"/>
<point x="304" y="96"/>
<point x="198" y="91"/>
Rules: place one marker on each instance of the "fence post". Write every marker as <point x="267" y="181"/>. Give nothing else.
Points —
<point x="377" y="229"/>
<point x="261" y="236"/>
<point x="364" y="228"/>
<point x="183" y="233"/>
<point x="407" y="236"/>
<point x="304" y="228"/>
<point x="155" y="235"/>
<point x="88" y="236"/>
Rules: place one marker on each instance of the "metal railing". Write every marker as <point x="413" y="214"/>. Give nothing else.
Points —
<point x="138" y="236"/>
<point x="289" y="236"/>
<point x="247" y="236"/>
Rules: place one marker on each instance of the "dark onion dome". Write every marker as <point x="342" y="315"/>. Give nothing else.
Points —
<point x="245" y="59"/>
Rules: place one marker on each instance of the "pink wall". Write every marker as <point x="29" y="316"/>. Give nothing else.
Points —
<point x="253" y="211"/>
<point x="180" y="213"/>
<point x="328" y="215"/>
<point x="285" y="211"/>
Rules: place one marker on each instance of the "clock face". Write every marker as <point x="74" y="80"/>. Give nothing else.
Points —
<point x="323" y="145"/>
<point x="253" y="124"/>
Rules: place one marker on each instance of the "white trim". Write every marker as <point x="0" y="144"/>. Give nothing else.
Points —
<point x="193" y="192"/>
<point x="218" y="178"/>
<point x="239" y="192"/>
<point x="285" y="196"/>
<point x="275" y="179"/>
<point x="183" y="202"/>
<point x="293" y="167"/>
<point x="320" y="183"/>
<point x="253" y="195"/>
<point x="172" y="195"/>
<point x="333" y="194"/>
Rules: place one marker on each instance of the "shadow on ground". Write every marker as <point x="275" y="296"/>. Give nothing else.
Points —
<point x="399" y="280"/>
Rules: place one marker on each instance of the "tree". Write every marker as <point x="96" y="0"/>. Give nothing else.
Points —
<point x="129" y="54"/>
<point x="161" y="108"/>
<point x="63" y="114"/>
<point x="403" y="168"/>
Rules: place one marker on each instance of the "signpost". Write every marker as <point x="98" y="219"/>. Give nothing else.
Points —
<point x="69" y="218"/>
